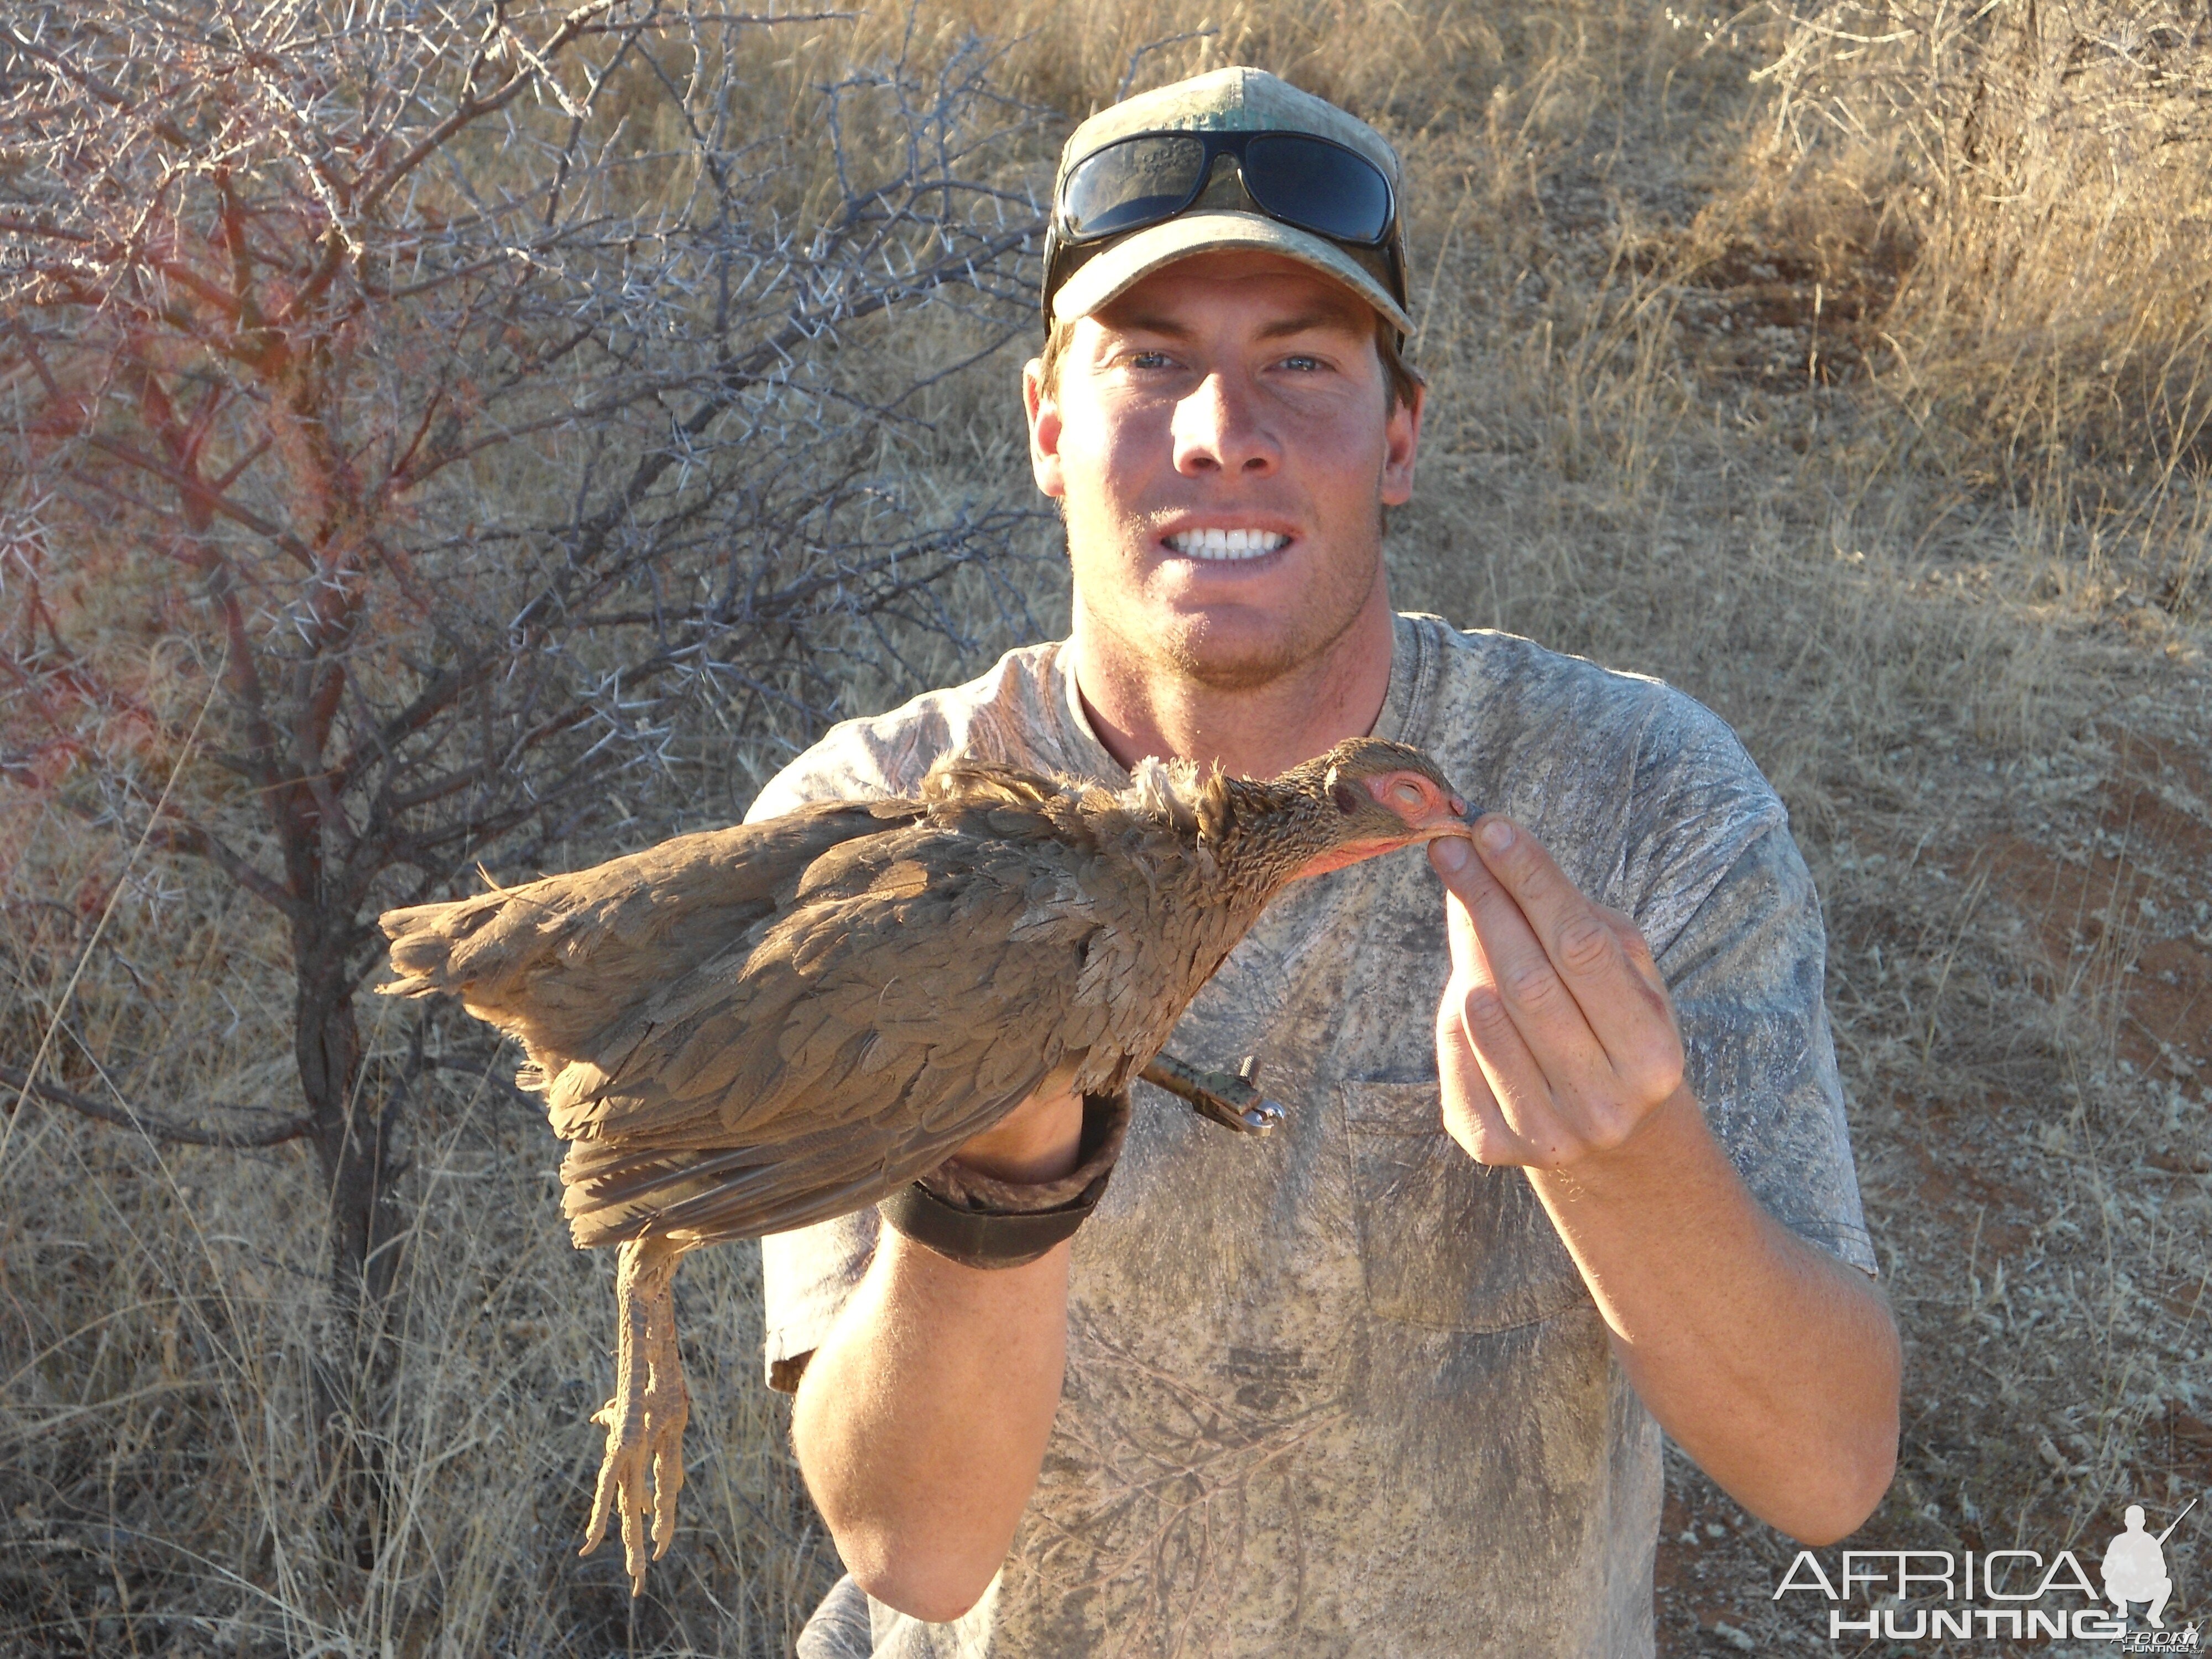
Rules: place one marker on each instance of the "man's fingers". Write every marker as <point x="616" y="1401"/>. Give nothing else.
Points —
<point x="1513" y="957"/>
<point x="1575" y="936"/>
<point x="1516" y="1079"/>
<point x="1456" y="864"/>
<point x="1547" y="1069"/>
<point x="1634" y="946"/>
<point x="1524" y="1082"/>
<point x="1645" y="1044"/>
<point x="1560" y="1007"/>
<point x="1597" y="956"/>
<point x="1472" y="1111"/>
<point x="1498" y="1098"/>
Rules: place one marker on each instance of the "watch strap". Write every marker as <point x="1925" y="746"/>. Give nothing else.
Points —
<point x="980" y="1221"/>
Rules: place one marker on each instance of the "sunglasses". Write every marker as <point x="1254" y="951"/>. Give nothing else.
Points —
<point x="1306" y="182"/>
<point x="1301" y="180"/>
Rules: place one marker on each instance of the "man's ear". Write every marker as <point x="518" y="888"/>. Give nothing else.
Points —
<point x="1043" y="409"/>
<point x="1401" y="443"/>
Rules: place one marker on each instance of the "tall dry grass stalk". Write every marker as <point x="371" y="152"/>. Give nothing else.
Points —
<point x="1815" y="394"/>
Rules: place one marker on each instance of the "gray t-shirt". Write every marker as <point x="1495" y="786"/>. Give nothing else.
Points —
<point x="1341" y="1391"/>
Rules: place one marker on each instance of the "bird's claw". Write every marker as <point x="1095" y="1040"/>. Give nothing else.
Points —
<point x="645" y="1419"/>
<point x="1232" y="1099"/>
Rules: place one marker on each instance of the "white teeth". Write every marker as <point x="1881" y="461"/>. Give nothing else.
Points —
<point x="1226" y="544"/>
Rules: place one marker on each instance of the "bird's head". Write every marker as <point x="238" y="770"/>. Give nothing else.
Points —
<point x="1365" y="797"/>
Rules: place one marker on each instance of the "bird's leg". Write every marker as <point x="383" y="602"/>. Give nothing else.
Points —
<point x="1229" y="1098"/>
<point x="645" y="1419"/>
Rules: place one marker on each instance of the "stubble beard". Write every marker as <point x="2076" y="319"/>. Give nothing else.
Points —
<point x="1305" y="640"/>
<point x="1259" y="664"/>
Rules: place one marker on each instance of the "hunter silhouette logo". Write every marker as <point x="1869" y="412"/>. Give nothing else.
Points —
<point x="2135" y="1566"/>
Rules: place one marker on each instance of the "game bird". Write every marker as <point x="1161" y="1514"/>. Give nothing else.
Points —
<point x="744" y="1030"/>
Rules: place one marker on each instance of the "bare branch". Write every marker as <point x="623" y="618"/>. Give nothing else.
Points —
<point x="196" y="492"/>
<point x="157" y="1127"/>
<point x="194" y="840"/>
<point x="475" y="109"/>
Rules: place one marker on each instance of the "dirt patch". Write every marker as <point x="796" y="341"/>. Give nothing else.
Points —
<point x="1765" y="314"/>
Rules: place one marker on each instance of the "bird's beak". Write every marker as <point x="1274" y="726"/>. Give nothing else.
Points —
<point x="1442" y="828"/>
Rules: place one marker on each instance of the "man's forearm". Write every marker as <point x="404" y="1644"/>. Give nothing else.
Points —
<point x="921" y="1419"/>
<point x="1772" y="1364"/>
<point x="921" y="1422"/>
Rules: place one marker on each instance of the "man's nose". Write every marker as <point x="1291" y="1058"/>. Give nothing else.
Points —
<point x="1217" y="429"/>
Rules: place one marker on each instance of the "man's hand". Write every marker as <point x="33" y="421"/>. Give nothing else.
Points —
<point x="1556" y="1038"/>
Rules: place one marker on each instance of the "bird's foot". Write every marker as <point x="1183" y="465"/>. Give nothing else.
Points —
<point x="645" y="1419"/>
<point x="1232" y="1099"/>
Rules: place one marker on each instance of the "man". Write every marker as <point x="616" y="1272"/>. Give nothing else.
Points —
<point x="1356" y="1389"/>
<point x="2135" y="1569"/>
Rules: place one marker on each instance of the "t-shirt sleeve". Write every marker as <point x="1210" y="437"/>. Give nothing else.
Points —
<point x="805" y="1278"/>
<point x="1747" y="972"/>
<point x="843" y="765"/>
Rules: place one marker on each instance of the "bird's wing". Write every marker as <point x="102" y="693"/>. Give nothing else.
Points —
<point x="548" y="961"/>
<point x="926" y="982"/>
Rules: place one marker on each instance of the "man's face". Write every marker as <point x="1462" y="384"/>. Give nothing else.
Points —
<point x="1232" y="396"/>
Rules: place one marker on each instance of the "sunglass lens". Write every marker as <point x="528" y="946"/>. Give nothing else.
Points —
<point x="1318" y="187"/>
<point x="1138" y="182"/>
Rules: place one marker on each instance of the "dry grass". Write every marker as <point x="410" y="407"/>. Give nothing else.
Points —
<point x="1869" y="418"/>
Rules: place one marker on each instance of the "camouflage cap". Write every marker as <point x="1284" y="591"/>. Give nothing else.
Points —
<point x="1226" y="100"/>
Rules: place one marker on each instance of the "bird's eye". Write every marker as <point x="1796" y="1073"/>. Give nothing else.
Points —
<point x="1410" y="793"/>
<point x="1347" y="799"/>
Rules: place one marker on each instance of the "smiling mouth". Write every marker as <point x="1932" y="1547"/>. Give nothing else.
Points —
<point x="1226" y="544"/>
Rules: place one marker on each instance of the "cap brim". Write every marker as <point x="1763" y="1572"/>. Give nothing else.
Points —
<point x="1106" y="276"/>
